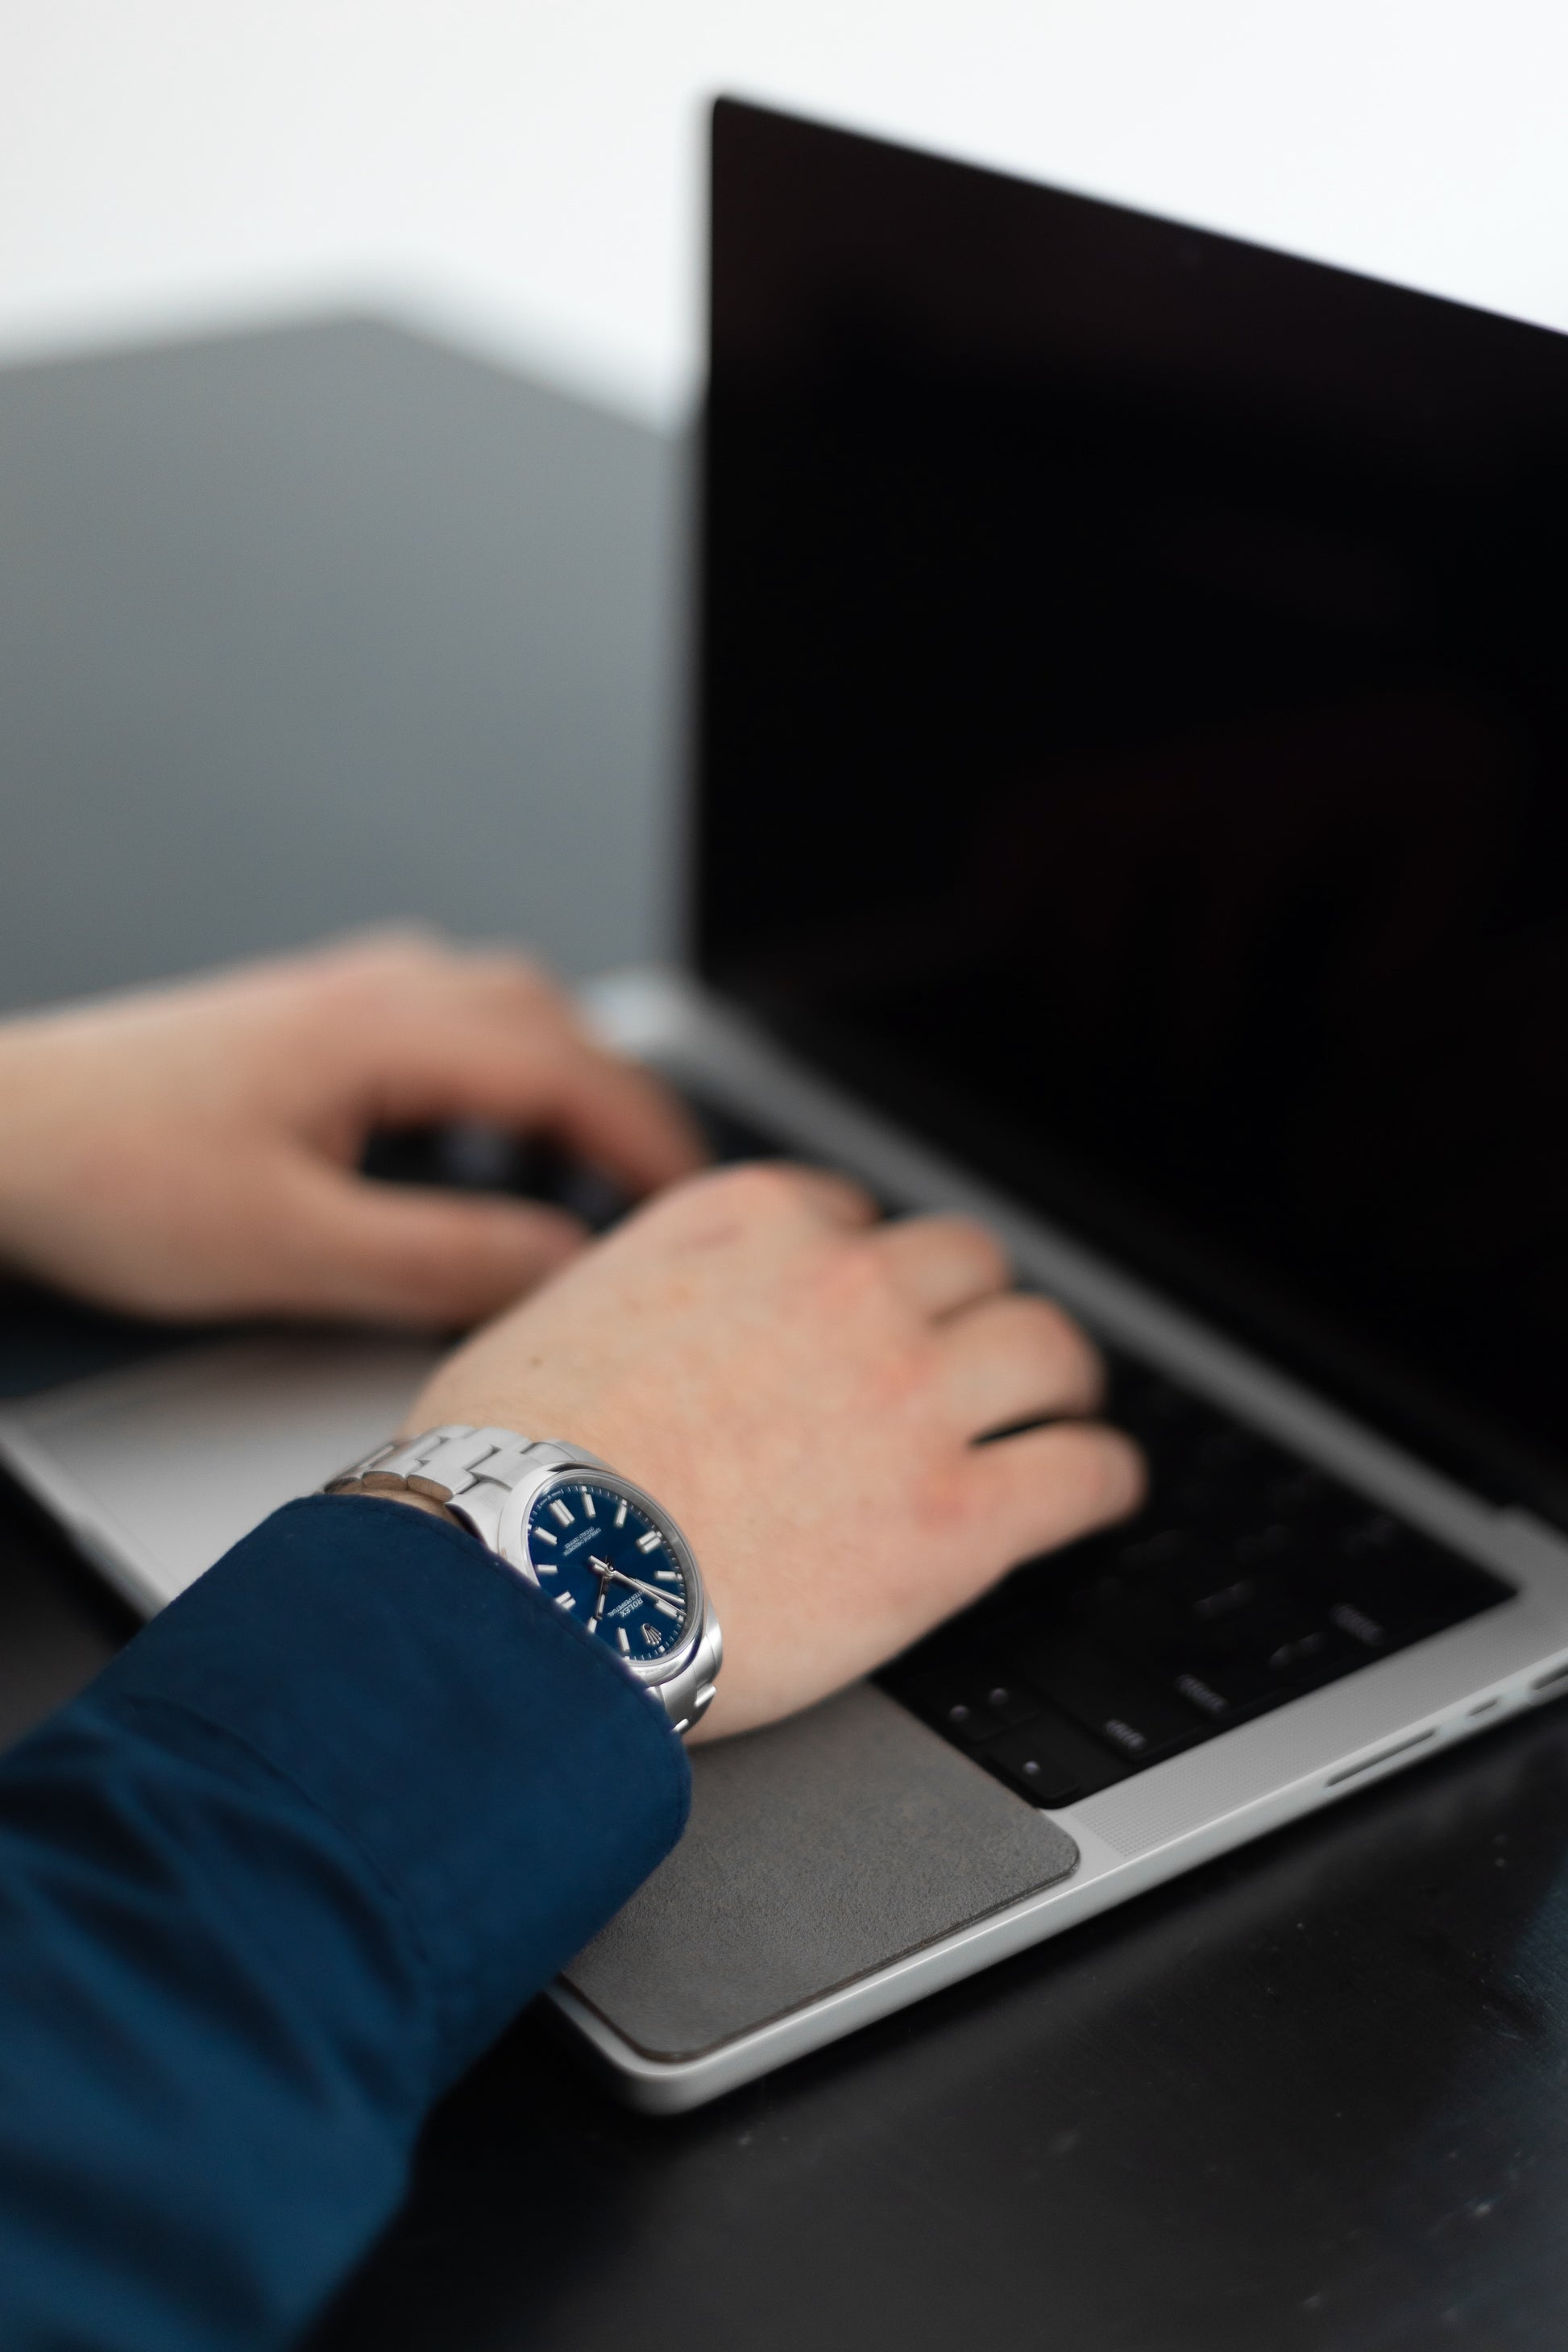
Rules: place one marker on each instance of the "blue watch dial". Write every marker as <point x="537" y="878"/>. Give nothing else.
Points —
<point x="608" y="1565"/>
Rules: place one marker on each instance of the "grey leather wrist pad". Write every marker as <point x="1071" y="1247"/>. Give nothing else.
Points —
<point x="818" y="1852"/>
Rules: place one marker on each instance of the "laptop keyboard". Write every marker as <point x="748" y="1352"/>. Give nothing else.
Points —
<point x="1248" y="1580"/>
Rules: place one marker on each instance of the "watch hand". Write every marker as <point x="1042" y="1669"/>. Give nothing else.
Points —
<point x="605" y="1572"/>
<point x="651" y="1590"/>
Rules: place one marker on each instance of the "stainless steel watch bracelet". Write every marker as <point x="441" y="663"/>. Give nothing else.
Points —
<point x="483" y="1467"/>
<point x="487" y="1478"/>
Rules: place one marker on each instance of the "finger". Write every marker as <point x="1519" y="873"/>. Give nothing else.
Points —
<point x="538" y="1076"/>
<point x="616" y="1114"/>
<point x="1048" y="1487"/>
<point x="772" y="1193"/>
<point x="768" y="1187"/>
<point x="607" y="1105"/>
<point x="512" y="983"/>
<point x="430" y="1033"/>
<point x="942" y="1264"/>
<point x="401" y="1254"/>
<point x="1016" y="1359"/>
<point x="832" y="1197"/>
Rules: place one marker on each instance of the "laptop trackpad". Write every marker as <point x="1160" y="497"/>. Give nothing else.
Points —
<point x="818" y="1850"/>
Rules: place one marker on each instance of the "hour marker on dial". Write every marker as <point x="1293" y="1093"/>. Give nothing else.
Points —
<point x="560" y="1511"/>
<point x="588" y="1502"/>
<point x="621" y="1516"/>
<point x="651" y="1541"/>
<point x="546" y="1537"/>
<point x="545" y="1568"/>
<point x="567" y="1601"/>
<point x="621" y="1638"/>
<point x="667" y="1576"/>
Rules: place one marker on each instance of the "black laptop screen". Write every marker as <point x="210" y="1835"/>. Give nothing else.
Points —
<point x="1134" y="747"/>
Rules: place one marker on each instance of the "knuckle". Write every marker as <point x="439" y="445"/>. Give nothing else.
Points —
<point x="1059" y="1339"/>
<point x="722" y="1205"/>
<point x="853" y="1274"/>
<point x="514" y="969"/>
<point x="983" y="1246"/>
<point x="1106" y="1468"/>
<point x="393" y="952"/>
<point x="1125" y="1469"/>
<point x="950" y="1506"/>
<point x="1049" y="1320"/>
<point x="759" y="1188"/>
<point x="368" y="976"/>
<point x="1071" y="1478"/>
<point x="1024" y="1331"/>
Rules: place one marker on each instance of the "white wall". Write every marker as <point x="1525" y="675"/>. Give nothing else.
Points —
<point x="528" y="171"/>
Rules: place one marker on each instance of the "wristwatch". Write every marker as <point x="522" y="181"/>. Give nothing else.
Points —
<point x="600" y="1548"/>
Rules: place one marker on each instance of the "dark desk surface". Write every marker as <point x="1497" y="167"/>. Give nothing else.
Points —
<point x="1314" y="2096"/>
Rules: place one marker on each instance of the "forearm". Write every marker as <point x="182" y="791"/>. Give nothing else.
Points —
<point x="265" y="1890"/>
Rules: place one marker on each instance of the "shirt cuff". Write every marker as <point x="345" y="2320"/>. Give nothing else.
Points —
<point x="508" y="1782"/>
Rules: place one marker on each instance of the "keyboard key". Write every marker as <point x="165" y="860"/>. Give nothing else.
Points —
<point x="1051" y="1763"/>
<point x="1297" y="1492"/>
<point x="1111" y="1700"/>
<point x="1360" y="1624"/>
<point x="1227" y="1690"/>
<point x="1035" y="1768"/>
<point x="970" y="1704"/>
<point x="1200" y="1691"/>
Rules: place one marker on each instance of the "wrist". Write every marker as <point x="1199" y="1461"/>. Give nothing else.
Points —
<point x="587" y="1539"/>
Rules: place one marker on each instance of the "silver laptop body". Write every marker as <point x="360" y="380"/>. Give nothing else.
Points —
<point x="842" y="1865"/>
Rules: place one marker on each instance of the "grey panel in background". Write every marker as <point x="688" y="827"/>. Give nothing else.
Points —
<point x="315" y="626"/>
<point x="818" y="1850"/>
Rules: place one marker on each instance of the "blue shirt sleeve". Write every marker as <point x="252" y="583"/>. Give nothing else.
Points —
<point x="265" y="1889"/>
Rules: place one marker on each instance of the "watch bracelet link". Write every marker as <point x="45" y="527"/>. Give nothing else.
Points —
<point x="480" y="1467"/>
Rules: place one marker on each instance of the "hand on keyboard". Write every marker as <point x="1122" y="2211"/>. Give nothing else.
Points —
<point x="193" y="1151"/>
<point x="804" y="1386"/>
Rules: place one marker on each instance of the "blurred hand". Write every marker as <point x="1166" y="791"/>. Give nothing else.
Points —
<point x="192" y="1151"/>
<point x="802" y="1387"/>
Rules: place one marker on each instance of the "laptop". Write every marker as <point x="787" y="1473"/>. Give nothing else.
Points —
<point x="1131" y="806"/>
